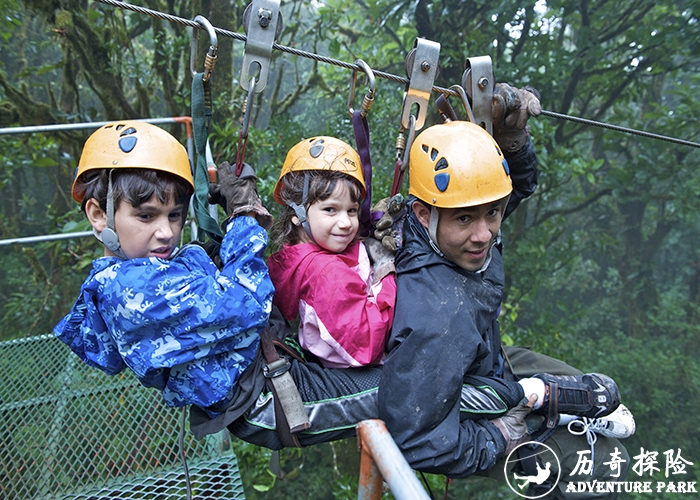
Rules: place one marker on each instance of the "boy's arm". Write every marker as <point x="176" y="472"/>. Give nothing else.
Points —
<point x="511" y="109"/>
<point x="523" y="174"/>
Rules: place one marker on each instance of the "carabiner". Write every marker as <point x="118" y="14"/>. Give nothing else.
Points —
<point x="248" y="108"/>
<point x="369" y="96"/>
<point x="210" y="59"/>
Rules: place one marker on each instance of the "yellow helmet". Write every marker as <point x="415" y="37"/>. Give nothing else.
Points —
<point x="132" y="144"/>
<point x="457" y="164"/>
<point x="322" y="153"/>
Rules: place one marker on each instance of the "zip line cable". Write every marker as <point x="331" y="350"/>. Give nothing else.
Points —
<point x="381" y="74"/>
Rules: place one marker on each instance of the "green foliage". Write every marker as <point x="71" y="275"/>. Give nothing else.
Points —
<point x="602" y="262"/>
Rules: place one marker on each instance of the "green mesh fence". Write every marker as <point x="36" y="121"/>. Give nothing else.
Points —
<point x="69" y="431"/>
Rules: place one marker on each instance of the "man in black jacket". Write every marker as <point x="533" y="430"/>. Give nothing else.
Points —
<point x="450" y="280"/>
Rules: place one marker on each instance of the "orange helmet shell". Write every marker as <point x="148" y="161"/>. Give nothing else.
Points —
<point x="132" y="144"/>
<point x="321" y="153"/>
<point x="457" y="164"/>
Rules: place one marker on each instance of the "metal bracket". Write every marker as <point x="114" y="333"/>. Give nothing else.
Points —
<point x="263" y="24"/>
<point x="422" y="70"/>
<point x="478" y="82"/>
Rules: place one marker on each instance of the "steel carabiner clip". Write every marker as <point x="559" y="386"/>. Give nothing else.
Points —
<point x="210" y="59"/>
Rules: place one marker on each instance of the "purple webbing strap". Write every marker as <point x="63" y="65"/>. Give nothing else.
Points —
<point x="361" y="130"/>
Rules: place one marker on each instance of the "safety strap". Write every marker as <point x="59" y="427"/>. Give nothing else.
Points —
<point x="290" y="414"/>
<point x="201" y="119"/>
<point x="361" y="129"/>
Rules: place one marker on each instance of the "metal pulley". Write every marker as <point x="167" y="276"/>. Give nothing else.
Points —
<point x="422" y="64"/>
<point x="478" y="82"/>
<point x="262" y="22"/>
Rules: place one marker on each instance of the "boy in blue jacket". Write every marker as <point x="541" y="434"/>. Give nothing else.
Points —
<point x="182" y="325"/>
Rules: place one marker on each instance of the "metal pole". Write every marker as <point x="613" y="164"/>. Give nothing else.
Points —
<point x="186" y="120"/>
<point x="373" y="436"/>
<point x="82" y="126"/>
<point x="47" y="237"/>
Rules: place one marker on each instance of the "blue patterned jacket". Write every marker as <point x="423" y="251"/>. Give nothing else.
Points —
<point x="180" y="324"/>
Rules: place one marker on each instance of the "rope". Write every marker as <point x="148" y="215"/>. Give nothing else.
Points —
<point x="381" y="74"/>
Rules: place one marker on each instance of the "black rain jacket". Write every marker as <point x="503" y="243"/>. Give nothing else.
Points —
<point x="445" y="332"/>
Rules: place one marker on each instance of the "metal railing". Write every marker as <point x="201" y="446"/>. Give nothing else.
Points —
<point x="381" y="461"/>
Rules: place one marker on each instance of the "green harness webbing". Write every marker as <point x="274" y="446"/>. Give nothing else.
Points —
<point x="201" y="119"/>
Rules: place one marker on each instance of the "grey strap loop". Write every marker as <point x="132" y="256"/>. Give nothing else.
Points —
<point x="108" y="236"/>
<point x="432" y="231"/>
<point x="300" y="210"/>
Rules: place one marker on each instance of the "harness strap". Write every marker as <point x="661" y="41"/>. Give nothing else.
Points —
<point x="361" y="129"/>
<point x="201" y="118"/>
<point x="290" y="414"/>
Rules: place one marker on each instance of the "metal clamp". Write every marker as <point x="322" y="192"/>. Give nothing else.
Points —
<point x="422" y="68"/>
<point x="369" y="96"/>
<point x="478" y="82"/>
<point x="210" y="58"/>
<point x="263" y="24"/>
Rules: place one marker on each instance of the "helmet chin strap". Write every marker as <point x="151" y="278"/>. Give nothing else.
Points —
<point x="300" y="210"/>
<point x="432" y="230"/>
<point x="108" y="236"/>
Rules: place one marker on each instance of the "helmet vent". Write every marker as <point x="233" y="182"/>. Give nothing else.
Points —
<point x="316" y="148"/>
<point x="441" y="164"/>
<point x="505" y="166"/>
<point x="442" y="181"/>
<point x="127" y="144"/>
<point x="433" y="154"/>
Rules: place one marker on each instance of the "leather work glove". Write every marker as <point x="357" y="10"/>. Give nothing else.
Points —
<point x="513" y="426"/>
<point x="382" y="260"/>
<point x="238" y="195"/>
<point x="387" y="217"/>
<point x="510" y="110"/>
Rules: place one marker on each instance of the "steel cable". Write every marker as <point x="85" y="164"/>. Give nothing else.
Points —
<point x="381" y="74"/>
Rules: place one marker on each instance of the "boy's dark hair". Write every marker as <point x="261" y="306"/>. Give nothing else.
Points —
<point x="321" y="186"/>
<point x="136" y="186"/>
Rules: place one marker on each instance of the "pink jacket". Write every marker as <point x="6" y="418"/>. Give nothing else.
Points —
<point x="344" y="321"/>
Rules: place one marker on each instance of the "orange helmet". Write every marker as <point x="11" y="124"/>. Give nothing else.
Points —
<point x="457" y="164"/>
<point x="322" y="153"/>
<point x="132" y="144"/>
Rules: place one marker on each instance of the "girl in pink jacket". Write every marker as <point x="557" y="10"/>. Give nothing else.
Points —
<point x="323" y="272"/>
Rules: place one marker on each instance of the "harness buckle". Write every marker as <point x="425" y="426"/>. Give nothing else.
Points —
<point x="276" y="368"/>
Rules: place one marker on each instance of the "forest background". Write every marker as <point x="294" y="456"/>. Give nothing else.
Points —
<point x="603" y="262"/>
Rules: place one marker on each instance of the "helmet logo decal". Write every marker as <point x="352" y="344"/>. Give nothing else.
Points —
<point x="334" y="156"/>
<point x="127" y="142"/>
<point x="317" y="148"/>
<point x="442" y="181"/>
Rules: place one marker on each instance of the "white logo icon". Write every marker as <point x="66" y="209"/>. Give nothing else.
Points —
<point x="532" y="465"/>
